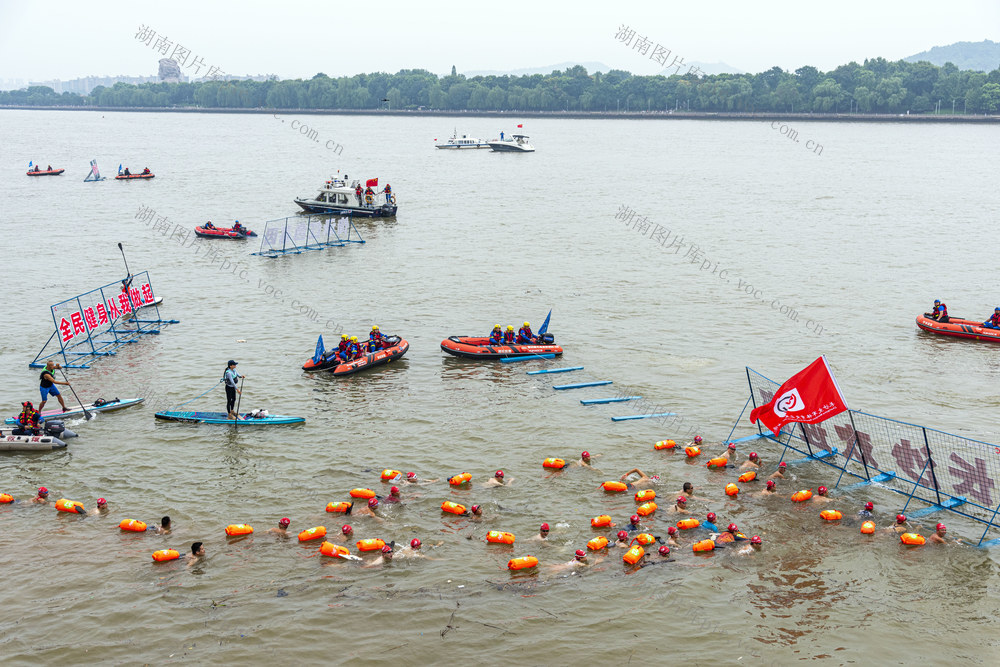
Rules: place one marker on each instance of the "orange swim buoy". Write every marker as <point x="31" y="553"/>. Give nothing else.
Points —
<point x="614" y="487"/>
<point x="868" y="527"/>
<point x="312" y="533"/>
<point x="645" y="539"/>
<point x="460" y="479"/>
<point x="362" y="493"/>
<point x="70" y="506"/>
<point x="703" y="545"/>
<point x="556" y="464"/>
<point x="634" y="554"/>
<point x="371" y="544"/>
<point x="343" y="508"/>
<point x="453" y="508"/>
<point x="237" y="529"/>
<point x="748" y="476"/>
<point x="687" y="524"/>
<point x="597" y="543"/>
<point x="6" y="498"/>
<point x="692" y="451"/>
<point x="522" y="563"/>
<point x="719" y="462"/>
<point x="389" y="475"/>
<point x="333" y="550"/>
<point x="499" y="537"/>
<point x="831" y="515"/>
<point x="644" y="495"/>
<point x="646" y="509"/>
<point x="602" y="521"/>
<point x="133" y="525"/>
<point x="801" y="496"/>
<point x="913" y="539"/>
<point x="732" y="489"/>
<point x="665" y="444"/>
<point x="163" y="555"/>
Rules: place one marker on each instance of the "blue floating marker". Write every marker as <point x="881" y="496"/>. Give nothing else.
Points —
<point x="951" y="503"/>
<point x="556" y="370"/>
<point x="600" y="401"/>
<point x="880" y="478"/>
<point x="580" y="385"/>
<point x="510" y="360"/>
<point x="658" y="414"/>
<point x="749" y="437"/>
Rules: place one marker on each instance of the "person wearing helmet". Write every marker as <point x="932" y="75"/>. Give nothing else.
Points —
<point x="994" y="321"/>
<point x="509" y="337"/>
<point x="821" y="497"/>
<point x="753" y="463"/>
<point x="496" y="336"/>
<point x="780" y="472"/>
<point x="341" y="351"/>
<point x="499" y="480"/>
<point x="27" y="421"/>
<point x="375" y="340"/>
<point x="771" y="489"/>
<point x="868" y="511"/>
<point x="524" y="335"/>
<point x="643" y="481"/>
<point x="357" y="351"/>
<point x="939" y="312"/>
<point x="282" y="530"/>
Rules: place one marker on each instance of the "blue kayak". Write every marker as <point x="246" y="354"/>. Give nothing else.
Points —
<point x="77" y="410"/>
<point x="223" y="418"/>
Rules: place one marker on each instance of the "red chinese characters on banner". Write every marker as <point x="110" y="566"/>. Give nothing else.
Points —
<point x="65" y="330"/>
<point x="90" y="318"/>
<point x="816" y="436"/>
<point x="113" y="311"/>
<point x="863" y="446"/>
<point x="913" y="461"/>
<point x="78" y="326"/>
<point x="147" y="293"/>
<point x="976" y="480"/>
<point x="123" y="301"/>
<point x="102" y="314"/>
<point x="134" y="295"/>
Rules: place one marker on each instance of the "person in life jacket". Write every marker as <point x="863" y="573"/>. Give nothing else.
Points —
<point x="496" y="336"/>
<point x="27" y="421"/>
<point x="369" y="196"/>
<point x="209" y="225"/>
<point x="994" y="321"/>
<point x="357" y="192"/>
<point x="127" y="173"/>
<point x="47" y="381"/>
<point x="524" y="335"/>
<point x="375" y="341"/>
<point x="146" y="170"/>
<point x="342" y="348"/>
<point x="237" y="227"/>
<point x="939" y="312"/>
<point x="508" y="336"/>
<point x="354" y="351"/>
<point x="388" y="193"/>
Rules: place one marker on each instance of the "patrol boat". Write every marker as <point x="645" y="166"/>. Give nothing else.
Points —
<point x="337" y="196"/>
<point x="463" y="142"/>
<point x="518" y="143"/>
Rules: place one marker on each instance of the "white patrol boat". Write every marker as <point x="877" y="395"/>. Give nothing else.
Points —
<point x="463" y="142"/>
<point x="340" y="196"/>
<point x="517" y="143"/>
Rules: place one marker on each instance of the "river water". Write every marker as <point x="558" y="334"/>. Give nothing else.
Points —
<point x="857" y="238"/>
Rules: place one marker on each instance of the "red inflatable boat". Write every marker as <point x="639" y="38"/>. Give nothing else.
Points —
<point x="224" y="233"/>
<point x="129" y="177"/>
<point x="960" y="328"/>
<point x="472" y="347"/>
<point x="397" y="347"/>
<point x="48" y="172"/>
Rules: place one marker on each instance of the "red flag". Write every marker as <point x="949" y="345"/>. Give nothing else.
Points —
<point x="810" y="396"/>
<point x="372" y="183"/>
<point x="520" y="125"/>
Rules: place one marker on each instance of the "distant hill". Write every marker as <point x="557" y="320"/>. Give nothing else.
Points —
<point x="981" y="56"/>
<point x="591" y="68"/>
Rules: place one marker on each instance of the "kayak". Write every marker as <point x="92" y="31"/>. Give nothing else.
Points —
<point x="472" y="347"/>
<point x="224" y="233"/>
<point x="123" y="177"/>
<point x="30" y="443"/>
<point x="960" y="328"/>
<point x="76" y="410"/>
<point x="125" y="317"/>
<point x="50" y="172"/>
<point x="397" y="348"/>
<point x="223" y="418"/>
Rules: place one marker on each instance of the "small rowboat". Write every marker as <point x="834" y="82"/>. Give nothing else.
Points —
<point x="396" y="348"/>
<point x="30" y="443"/>
<point x="959" y="328"/>
<point x="479" y="348"/>
<point x="223" y="418"/>
<point x="129" y="177"/>
<point x="224" y="233"/>
<point x="76" y="410"/>
<point x="47" y="172"/>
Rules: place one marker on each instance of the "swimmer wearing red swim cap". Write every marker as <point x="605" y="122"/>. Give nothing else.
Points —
<point x="393" y="495"/>
<point x="42" y="498"/>
<point x="753" y="463"/>
<point x="780" y="472"/>
<point x="586" y="459"/>
<point x="282" y="529"/>
<point x="771" y="489"/>
<point x="938" y="536"/>
<point x="543" y="533"/>
<point x="622" y="540"/>
<point x="821" y="497"/>
<point x="499" y="479"/>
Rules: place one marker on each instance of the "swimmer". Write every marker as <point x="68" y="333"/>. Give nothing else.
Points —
<point x="282" y="529"/>
<point x="680" y="507"/>
<point x="622" y="539"/>
<point x="411" y="478"/>
<point x="42" y="498"/>
<point x="780" y="472"/>
<point x="197" y="553"/>
<point x="710" y="522"/>
<point x="633" y="523"/>
<point x="164" y="527"/>
<point x="730" y="453"/>
<point x="384" y="559"/>
<point x="543" y="533"/>
<point x="821" y="496"/>
<point x="369" y="510"/>
<point x="346" y="534"/>
<point x="753" y="463"/>
<point x="476" y="512"/>
<point x="753" y="547"/>
<point x="938" y="536"/>
<point x="688" y="492"/>
<point x="902" y="526"/>
<point x="696" y="442"/>
<point x="413" y="551"/>
<point x="101" y="509"/>
<point x="672" y="536"/>
<point x="579" y="561"/>
<point x="868" y="512"/>
<point x="644" y="480"/>
<point x="585" y="459"/>
<point x="498" y="480"/>
<point x="771" y="489"/>
<point x="394" y="495"/>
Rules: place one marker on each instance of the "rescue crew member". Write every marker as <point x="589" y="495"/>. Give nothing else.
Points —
<point x="146" y="170"/>
<point x="369" y="196"/>
<point x="357" y="193"/>
<point x="496" y="336"/>
<point x="232" y="380"/>
<point x="388" y="193"/>
<point x="524" y="335"/>
<point x="994" y="321"/>
<point x="374" y="339"/>
<point x="27" y="421"/>
<point x="209" y="225"/>
<point x="46" y="385"/>
<point x="354" y="352"/>
<point x="127" y="172"/>
<point x="508" y="336"/>
<point x="345" y="343"/>
<point x="939" y="312"/>
<point x="236" y="227"/>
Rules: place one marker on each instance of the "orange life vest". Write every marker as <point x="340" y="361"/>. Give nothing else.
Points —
<point x="831" y="515"/>
<point x="454" y="508"/>
<point x="522" y="563"/>
<point x="372" y="544"/>
<point x="165" y="554"/>
<point x="614" y="487"/>
<point x="344" y="508"/>
<point x="646" y="509"/>
<point x="913" y="539"/>
<point x="499" y="537"/>
<point x="634" y="554"/>
<point x="748" y="476"/>
<point x="133" y="525"/>
<point x="558" y="464"/>
<point x="312" y="533"/>
<point x="801" y="496"/>
<point x="597" y="543"/>
<point x="70" y="506"/>
<point x="602" y="521"/>
<point x="237" y="529"/>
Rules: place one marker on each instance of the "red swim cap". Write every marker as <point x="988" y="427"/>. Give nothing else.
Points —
<point x="753" y="455"/>
<point x="42" y="491"/>
<point x="771" y="484"/>
<point x="580" y="554"/>
<point x="585" y="455"/>
<point x="499" y="474"/>
<point x="732" y="528"/>
<point x="475" y="509"/>
<point x="869" y="505"/>
<point x="394" y="491"/>
<point x="697" y="438"/>
<point x="664" y="550"/>
<point x="681" y="500"/>
<point x="411" y="475"/>
<point x="544" y="527"/>
<point x="671" y="530"/>
<point x="622" y="534"/>
<point x="755" y="539"/>
<point x="634" y="518"/>
<point x="347" y="530"/>
<point x="900" y="518"/>
<point x="941" y="527"/>
<point x="284" y="522"/>
<point x="102" y="501"/>
<point x="387" y="549"/>
<point x="732" y="445"/>
<point x="782" y="465"/>
<point x="373" y="502"/>
<point x="711" y="517"/>
<point x="821" y="490"/>
<point x="414" y="543"/>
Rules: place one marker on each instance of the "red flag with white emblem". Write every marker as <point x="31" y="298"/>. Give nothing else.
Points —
<point x="810" y="396"/>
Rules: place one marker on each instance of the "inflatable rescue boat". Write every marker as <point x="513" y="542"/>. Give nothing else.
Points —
<point x="960" y="328"/>
<point x="473" y="347"/>
<point x="224" y="233"/>
<point x="395" y="348"/>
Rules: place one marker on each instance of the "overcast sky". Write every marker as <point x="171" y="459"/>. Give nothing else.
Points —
<point x="62" y="39"/>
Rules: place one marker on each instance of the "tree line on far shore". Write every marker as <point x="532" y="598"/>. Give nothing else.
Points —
<point x="877" y="86"/>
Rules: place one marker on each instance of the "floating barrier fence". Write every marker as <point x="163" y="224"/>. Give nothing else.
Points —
<point x="298" y="234"/>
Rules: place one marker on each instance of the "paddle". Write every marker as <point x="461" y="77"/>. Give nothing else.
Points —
<point x="85" y="413"/>
<point x="128" y="274"/>
<point x="236" y="422"/>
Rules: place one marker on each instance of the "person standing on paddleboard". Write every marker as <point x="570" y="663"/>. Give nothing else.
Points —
<point x="232" y="380"/>
<point x="47" y="382"/>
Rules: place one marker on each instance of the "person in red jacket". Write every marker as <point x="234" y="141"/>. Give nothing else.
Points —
<point x="939" y="312"/>
<point x="524" y="335"/>
<point x="508" y="335"/>
<point x="994" y="321"/>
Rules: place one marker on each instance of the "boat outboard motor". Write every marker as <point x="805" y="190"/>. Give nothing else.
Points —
<point x="547" y="339"/>
<point x="57" y="429"/>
